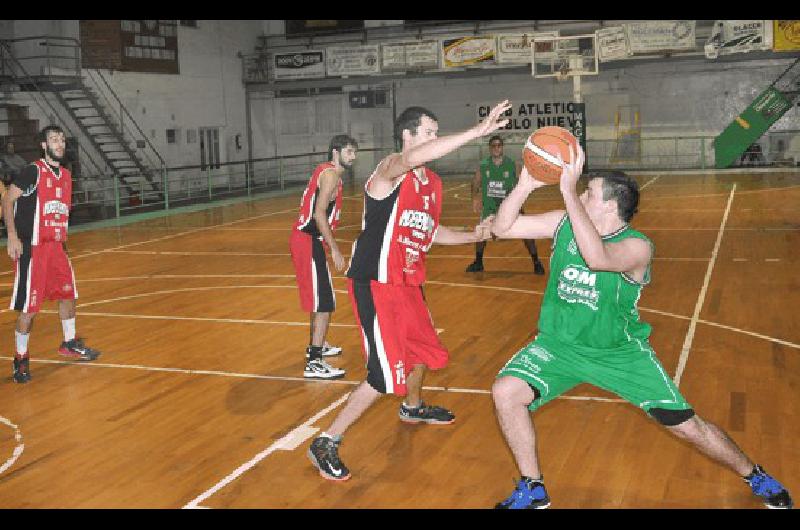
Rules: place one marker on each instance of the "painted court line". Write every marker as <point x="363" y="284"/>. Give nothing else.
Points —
<point x="289" y="442"/>
<point x="687" y="343"/>
<point x="18" y="449"/>
<point x="650" y="182"/>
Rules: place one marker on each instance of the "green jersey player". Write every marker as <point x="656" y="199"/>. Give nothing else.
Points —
<point x="590" y="330"/>
<point x="493" y="181"/>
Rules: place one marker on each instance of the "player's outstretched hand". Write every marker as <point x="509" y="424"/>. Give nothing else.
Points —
<point x="492" y="122"/>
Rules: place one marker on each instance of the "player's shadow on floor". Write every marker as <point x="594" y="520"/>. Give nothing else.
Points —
<point x="250" y="397"/>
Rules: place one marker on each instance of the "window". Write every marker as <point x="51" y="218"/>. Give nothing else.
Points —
<point x="209" y="148"/>
<point x="328" y="115"/>
<point x="191" y="136"/>
<point x="172" y="136"/>
<point x="188" y="23"/>
<point x="294" y="116"/>
<point x="149" y="46"/>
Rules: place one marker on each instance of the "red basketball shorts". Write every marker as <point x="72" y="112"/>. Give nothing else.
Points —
<point x="43" y="272"/>
<point x="397" y="333"/>
<point x="312" y="273"/>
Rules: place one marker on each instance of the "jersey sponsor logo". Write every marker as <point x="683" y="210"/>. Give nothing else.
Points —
<point x="27" y="192"/>
<point x="416" y="220"/>
<point x="55" y="207"/>
<point x="399" y="373"/>
<point x="572" y="247"/>
<point x="496" y="189"/>
<point x="539" y="352"/>
<point x="576" y="284"/>
<point x="412" y="256"/>
<point x="56" y="224"/>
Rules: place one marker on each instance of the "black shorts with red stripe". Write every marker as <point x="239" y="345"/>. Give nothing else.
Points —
<point x="312" y="273"/>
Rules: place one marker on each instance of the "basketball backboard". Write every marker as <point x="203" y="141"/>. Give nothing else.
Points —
<point x="564" y="56"/>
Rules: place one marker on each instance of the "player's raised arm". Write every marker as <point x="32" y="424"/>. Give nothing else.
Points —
<point x="423" y="144"/>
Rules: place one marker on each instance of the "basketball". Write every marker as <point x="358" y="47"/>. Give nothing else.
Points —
<point x="541" y="149"/>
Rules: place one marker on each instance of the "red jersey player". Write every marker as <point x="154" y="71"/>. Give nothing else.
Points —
<point x="36" y="210"/>
<point x="402" y="206"/>
<point x="318" y="218"/>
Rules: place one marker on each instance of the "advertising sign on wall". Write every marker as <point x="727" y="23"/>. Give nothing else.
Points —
<point x="410" y="55"/>
<point x="352" y="60"/>
<point x="465" y="51"/>
<point x="299" y="65"/>
<point x="516" y="48"/>
<point x="661" y="35"/>
<point x="612" y="44"/>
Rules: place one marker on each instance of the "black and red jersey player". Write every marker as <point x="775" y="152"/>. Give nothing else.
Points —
<point x="320" y="209"/>
<point x="402" y="208"/>
<point x="36" y="210"/>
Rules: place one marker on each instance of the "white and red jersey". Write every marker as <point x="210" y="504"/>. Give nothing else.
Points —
<point x="41" y="213"/>
<point x="398" y="230"/>
<point x="305" y="221"/>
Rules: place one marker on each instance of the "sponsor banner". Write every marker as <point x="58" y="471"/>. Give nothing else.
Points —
<point x="738" y="36"/>
<point x="352" y="60"/>
<point x="612" y="44"/>
<point x="299" y="65"/>
<point x="748" y="127"/>
<point x="531" y="116"/>
<point x="516" y="48"/>
<point x="661" y="35"/>
<point x="465" y="51"/>
<point x="786" y="35"/>
<point x="408" y="55"/>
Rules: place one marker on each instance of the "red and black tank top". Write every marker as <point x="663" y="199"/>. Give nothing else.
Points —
<point x="41" y="213"/>
<point x="398" y="231"/>
<point x="305" y="221"/>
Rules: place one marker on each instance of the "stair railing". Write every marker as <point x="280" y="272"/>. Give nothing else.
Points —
<point x="18" y="72"/>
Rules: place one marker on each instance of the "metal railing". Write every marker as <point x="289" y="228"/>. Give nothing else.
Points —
<point x="135" y="134"/>
<point x="15" y="69"/>
<point x="99" y="197"/>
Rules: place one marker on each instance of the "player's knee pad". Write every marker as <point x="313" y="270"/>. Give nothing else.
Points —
<point x="670" y="418"/>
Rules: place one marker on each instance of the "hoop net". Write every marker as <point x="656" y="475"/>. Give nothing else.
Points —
<point x="562" y="74"/>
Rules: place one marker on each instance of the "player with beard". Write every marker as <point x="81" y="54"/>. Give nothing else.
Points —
<point x="36" y="211"/>
<point x="319" y="216"/>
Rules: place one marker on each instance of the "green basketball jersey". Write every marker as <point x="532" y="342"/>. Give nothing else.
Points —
<point x="497" y="181"/>
<point x="591" y="309"/>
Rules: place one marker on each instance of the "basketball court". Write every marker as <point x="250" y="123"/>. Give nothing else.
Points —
<point x="198" y="400"/>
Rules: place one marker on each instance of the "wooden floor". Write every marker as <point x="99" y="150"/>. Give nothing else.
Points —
<point x="198" y="399"/>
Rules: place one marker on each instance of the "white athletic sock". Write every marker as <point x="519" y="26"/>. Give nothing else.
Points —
<point x="22" y="343"/>
<point x="68" y="326"/>
<point x="338" y="438"/>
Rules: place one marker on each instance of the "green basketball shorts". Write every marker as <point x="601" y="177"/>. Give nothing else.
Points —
<point x="633" y="373"/>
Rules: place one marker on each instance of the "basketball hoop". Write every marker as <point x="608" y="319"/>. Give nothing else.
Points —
<point x="562" y="74"/>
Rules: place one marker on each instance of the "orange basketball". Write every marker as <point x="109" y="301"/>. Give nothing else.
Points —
<point x="539" y="153"/>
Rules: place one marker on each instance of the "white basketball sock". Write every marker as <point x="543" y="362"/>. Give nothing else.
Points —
<point x="68" y="325"/>
<point x="22" y="343"/>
